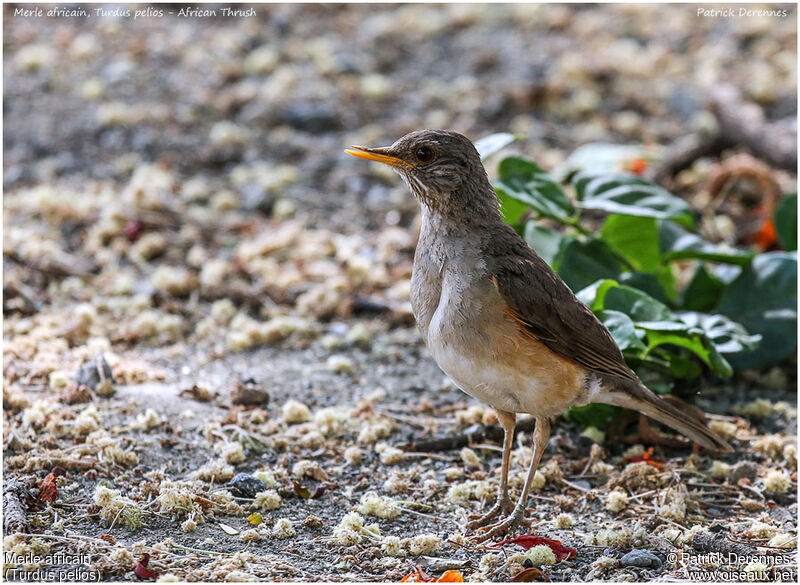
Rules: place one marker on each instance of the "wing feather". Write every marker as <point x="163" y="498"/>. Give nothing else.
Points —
<point x="545" y="306"/>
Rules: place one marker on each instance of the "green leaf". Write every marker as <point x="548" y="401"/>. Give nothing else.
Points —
<point x="786" y="222"/>
<point x="512" y="209"/>
<point x="523" y="180"/>
<point x="727" y="273"/>
<point x="489" y="145"/>
<point x="763" y="298"/>
<point x="679" y="244"/>
<point x="664" y="326"/>
<point x="255" y="519"/>
<point x="703" y="291"/>
<point x="651" y="283"/>
<point x="583" y="262"/>
<point x="594" y="295"/>
<point x="690" y="337"/>
<point x="635" y="238"/>
<point x="622" y="330"/>
<point x="669" y="338"/>
<point x="683" y="367"/>
<point x="545" y="241"/>
<point x="638" y="305"/>
<point x="726" y="335"/>
<point x="720" y="365"/>
<point x="301" y="490"/>
<point x="669" y="284"/>
<point x="662" y="333"/>
<point x="592" y="415"/>
<point x="659" y="380"/>
<point x="630" y="195"/>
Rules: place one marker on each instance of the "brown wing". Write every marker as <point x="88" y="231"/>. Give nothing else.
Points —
<point x="543" y="303"/>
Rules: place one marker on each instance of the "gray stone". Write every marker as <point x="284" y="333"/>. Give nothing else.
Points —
<point x="244" y="485"/>
<point x="641" y="558"/>
<point x="89" y="373"/>
<point x="742" y="469"/>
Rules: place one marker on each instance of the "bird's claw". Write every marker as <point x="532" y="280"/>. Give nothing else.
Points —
<point x="505" y="506"/>
<point x="516" y="518"/>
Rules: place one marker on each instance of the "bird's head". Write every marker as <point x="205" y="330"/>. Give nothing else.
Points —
<point x="442" y="169"/>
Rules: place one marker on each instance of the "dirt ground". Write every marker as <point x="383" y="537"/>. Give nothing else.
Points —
<point x="198" y="283"/>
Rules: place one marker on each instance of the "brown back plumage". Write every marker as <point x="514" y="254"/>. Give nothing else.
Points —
<point x="546" y="307"/>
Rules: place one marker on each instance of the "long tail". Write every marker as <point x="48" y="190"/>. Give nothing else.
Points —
<point x="639" y="397"/>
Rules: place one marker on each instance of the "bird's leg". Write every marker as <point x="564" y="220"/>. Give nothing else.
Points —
<point x="508" y="420"/>
<point x="541" y="435"/>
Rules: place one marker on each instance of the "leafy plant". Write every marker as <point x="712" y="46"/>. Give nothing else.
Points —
<point x="786" y="222"/>
<point x="763" y="297"/>
<point x="626" y="272"/>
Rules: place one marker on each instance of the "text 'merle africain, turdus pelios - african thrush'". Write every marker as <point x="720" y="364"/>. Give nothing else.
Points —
<point x="497" y="319"/>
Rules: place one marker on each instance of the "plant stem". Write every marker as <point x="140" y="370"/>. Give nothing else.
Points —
<point x="200" y="550"/>
<point x="575" y="222"/>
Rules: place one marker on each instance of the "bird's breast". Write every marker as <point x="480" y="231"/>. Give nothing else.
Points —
<point x="476" y="343"/>
<point x="426" y="291"/>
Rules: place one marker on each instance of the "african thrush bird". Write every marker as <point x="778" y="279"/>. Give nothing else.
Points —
<point x="497" y="319"/>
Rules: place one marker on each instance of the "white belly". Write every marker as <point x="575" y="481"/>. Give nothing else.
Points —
<point x="504" y="388"/>
<point x="489" y="358"/>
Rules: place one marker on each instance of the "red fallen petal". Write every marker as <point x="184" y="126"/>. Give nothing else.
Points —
<point x="418" y="576"/>
<point x="48" y="490"/>
<point x="646" y="457"/>
<point x="530" y="574"/>
<point x="766" y="237"/>
<point x="141" y="569"/>
<point x="451" y="576"/>
<point x="638" y="166"/>
<point x="133" y="230"/>
<point x="527" y="541"/>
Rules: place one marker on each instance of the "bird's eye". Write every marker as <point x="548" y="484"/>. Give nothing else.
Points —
<point x="424" y="154"/>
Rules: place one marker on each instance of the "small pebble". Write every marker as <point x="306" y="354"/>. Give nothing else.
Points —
<point x="744" y="469"/>
<point x="641" y="558"/>
<point x="89" y="374"/>
<point x="249" y="393"/>
<point x="244" y="485"/>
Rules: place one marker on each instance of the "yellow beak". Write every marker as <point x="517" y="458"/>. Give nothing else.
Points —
<point x="378" y="155"/>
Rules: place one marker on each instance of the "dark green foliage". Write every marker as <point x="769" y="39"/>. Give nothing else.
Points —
<point x="786" y="222"/>
<point x="581" y="262"/>
<point x="592" y="415"/>
<point x="523" y="180"/>
<point x="679" y="244"/>
<point x="547" y="242"/>
<point x="703" y="291"/>
<point x="629" y="195"/>
<point x="764" y="299"/>
<point x="626" y="272"/>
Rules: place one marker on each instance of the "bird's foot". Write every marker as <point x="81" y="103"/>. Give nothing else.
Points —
<point x="516" y="518"/>
<point x="504" y="506"/>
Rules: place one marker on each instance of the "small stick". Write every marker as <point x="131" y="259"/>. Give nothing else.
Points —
<point x="15" y="511"/>
<point x="486" y="447"/>
<point x="575" y="486"/>
<point x="70" y="538"/>
<point x="430" y="455"/>
<point x="637" y="496"/>
<point x="200" y="550"/>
